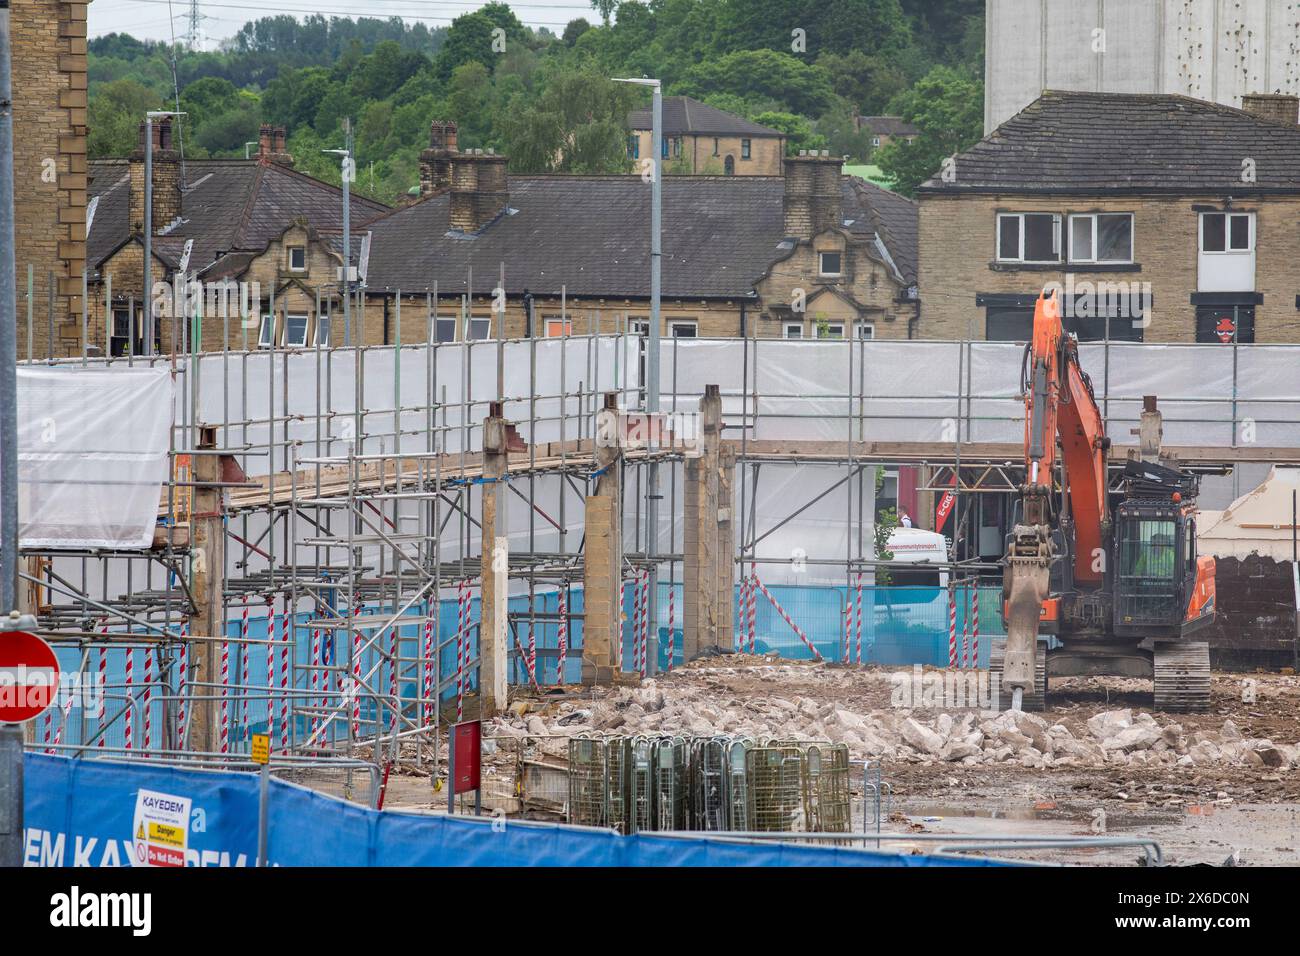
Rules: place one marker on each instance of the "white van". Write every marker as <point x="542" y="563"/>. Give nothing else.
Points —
<point x="917" y="548"/>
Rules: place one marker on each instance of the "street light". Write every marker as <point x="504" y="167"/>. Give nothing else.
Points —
<point x="652" y="360"/>
<point x="348" y="173"/>
<point x="148" y="224"/>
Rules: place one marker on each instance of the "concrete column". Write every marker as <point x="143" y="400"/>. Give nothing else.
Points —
<point x="207" y="584"/>
<point x="708" y="538"/>
<point x="602" y="624"/>
<point x="493" y="642"/>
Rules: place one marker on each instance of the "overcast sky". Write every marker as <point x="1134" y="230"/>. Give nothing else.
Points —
<point x="148" y="19"/>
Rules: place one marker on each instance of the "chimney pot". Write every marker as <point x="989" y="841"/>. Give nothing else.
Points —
<point x="1275" y="107"/>
<point x="479" y="190"/>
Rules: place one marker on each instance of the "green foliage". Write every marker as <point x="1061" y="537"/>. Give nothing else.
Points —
<point x="886" y="522"/>
<point x="546" y="100"/>
<point x="947" y="106"/>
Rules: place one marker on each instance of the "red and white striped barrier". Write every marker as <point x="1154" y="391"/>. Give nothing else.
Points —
<point x="462" y="649"/>
<point x="225" y="697"/>
<point x="356" y="680"/>
<point x="636" y="625"/>
<point x="776" y="605"/>
<point x="429" y="664"/>
<point x="286" y="634"/>
<point x="952" y="627"/>
<point x="182" y="712"/>
<point x="147" y="698"/>
<point x="753" y="609"/>
<point x="975" y="626"/>
<point x="672" y="635"/>
<point x="315" y="675"/>
<point x="858" y="598"/>
<point x="618" y="644"/>
<point x="66" y="710"/>
<point x="244" y="678"/>
<point x="103" y="694"/>
<point x="532" y="651"/>
<point x="645" y="620"/>
<point x="394" y="648"/>
<point x="270" y="668"/>
<point x="563" y="638"/>
<point x="846" y="613"/>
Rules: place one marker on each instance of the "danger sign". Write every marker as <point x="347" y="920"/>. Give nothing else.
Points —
<point x="161" y="829"/>
<point x="29" y="676"/>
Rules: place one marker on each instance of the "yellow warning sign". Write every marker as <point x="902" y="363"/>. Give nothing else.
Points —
<point x="167" y="835"/>
<point x="261" y="748"/>
<point x="139" y="833"/>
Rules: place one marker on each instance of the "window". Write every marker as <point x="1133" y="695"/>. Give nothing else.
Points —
<point x="682" y="330"/>
<point x="830" y="330"/>
<point x="479" y="328"/>
<point x="556" y="327"/>
<point x="1225" y="324"/>
<point x="633" y="146"/>
<point x="744" y="149"/>
<point x="865" y="330"/>
<point x="323" y="331"/>
<point x="830" y="263"/>
<point x="1029" y="237"/>
<point x="677" y="147"/>
<point x="793" y="330"/>
<point x="715" y="146"/>
<point x="1101" y="237"/>
<point x="444" y="330"/>
<point x="297" y="258"/>
<point x="639" y="327"/>
<point x="295" y="331"/>
<point x="265" y="333"/>
<point x="663" y="147"/>
<point x="121" y="332"/>
<point x="1227" y="232"/>
<point x="875" y="142"/>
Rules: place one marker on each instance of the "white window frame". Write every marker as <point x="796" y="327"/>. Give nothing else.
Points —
<point x="564" y="327"/>
<point x="1094" y="260"/>
<point x="474" y="320"/>
<point x="821" y="268"/>
<point x="301" y="249"/>
<point x="323" y="330"/>
<point x="830" y="328"/>
<point x="267" y="325"/>
<point x="866" y="331"/>
<point x="289" y="341"/>
<point x="676" y="324"/>
<point x="1227" y="249"/>
<point x="1056" y="237"/>
<point x="875" y="142"/>
<point x="442" y="322"/>
<point x="639" y="327"/>
<point x="795" y="327"/>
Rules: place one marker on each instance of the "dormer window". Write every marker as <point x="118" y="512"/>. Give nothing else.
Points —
<point x="830" y="263"/>
<point x="297" y="258"/>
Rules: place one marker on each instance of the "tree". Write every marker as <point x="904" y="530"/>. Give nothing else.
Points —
<point x="469" y="40"/>
<point x="947" y="106"/>
<point x="867" y="82"/>
<point x="800" y="87"/>
<point x="114" y="116"/>
<point x="605" y="8"/>
<point x="575" y="29"/>
<point x="578" y="125"/>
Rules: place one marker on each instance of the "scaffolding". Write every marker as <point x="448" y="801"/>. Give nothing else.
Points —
<point x="318" y="546"/>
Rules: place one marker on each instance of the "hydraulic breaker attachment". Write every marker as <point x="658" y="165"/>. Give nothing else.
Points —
<point x="1025" y="587"/>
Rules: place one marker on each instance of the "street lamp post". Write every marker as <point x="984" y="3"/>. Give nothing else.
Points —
<point x="347" y="166"/>
<point x="147" y="296"/>
<point x="652" y="359"/>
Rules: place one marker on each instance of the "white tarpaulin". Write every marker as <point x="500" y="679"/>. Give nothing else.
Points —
<point x="92" y="455"/>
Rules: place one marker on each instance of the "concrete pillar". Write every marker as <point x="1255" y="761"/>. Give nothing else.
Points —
<point x="708" y="538"/>
<point x="493" y="641"/>
<point x="207" y="584"/>
<point x="602" y="570"/>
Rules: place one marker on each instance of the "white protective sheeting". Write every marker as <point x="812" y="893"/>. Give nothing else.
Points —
<point x="92" y="455"/>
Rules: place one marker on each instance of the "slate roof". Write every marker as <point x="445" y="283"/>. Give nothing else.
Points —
<point x="590" y="234"/>
<point x="889" y="126"/>
<point x="683" y="115"/>
<point x="1107" y="142"/>
<point x="229" y="206"/>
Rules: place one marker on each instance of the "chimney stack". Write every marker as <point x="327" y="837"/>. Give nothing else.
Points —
<point x="479" y="191"/>
<point x="1281" y="108"/>
<point x="271" y="146"/>
<point x="166" y="178"/>
<point x="812" y="202"/>
<point x="436" y="161"/>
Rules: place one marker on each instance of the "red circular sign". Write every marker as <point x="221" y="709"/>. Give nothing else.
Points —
<point x="29" y="676"/>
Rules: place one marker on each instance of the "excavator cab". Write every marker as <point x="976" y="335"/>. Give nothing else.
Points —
<point x="1150" y="568"/>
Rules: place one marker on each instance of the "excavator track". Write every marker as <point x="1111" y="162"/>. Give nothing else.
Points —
<point x="1182" y="676"/>
<point x="1032" y="702"/>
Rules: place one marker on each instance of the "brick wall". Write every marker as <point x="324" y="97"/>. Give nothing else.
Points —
<point x="957" y="254"/>
<point x="49" y="86"/>
<point x="765" y="153"/>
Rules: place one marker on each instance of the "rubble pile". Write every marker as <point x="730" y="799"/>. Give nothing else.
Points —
<point x="704" y="701"/>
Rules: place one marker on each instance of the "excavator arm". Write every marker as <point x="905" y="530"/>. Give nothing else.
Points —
<point x="1059" y="404"/>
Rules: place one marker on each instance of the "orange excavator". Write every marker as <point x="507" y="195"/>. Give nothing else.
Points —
<point x="1113" y="576"/>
